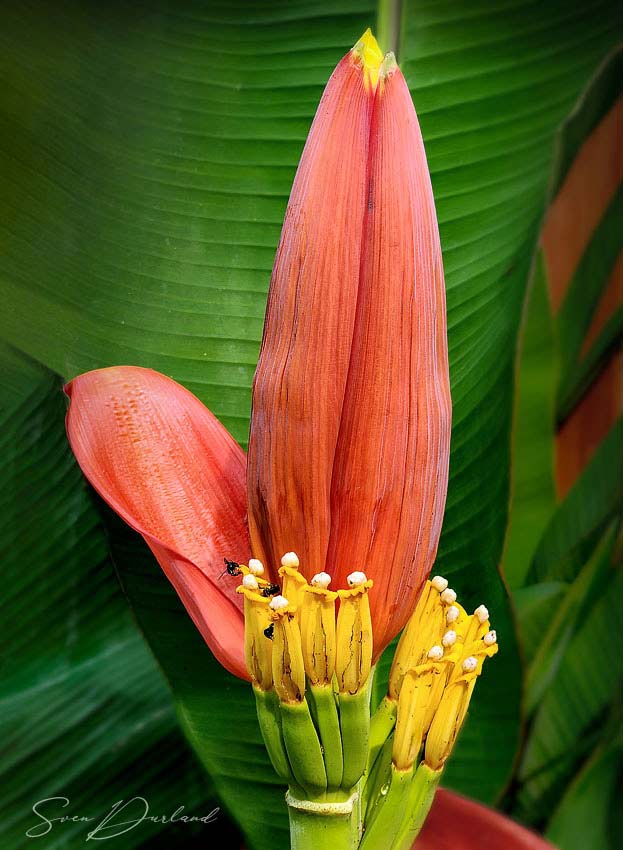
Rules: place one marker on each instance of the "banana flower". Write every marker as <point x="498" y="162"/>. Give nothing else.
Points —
<point x="350" y="429"/>
<point x="344" y="482"/>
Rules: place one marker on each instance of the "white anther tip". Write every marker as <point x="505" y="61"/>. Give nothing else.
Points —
<point x="435" y="653"/>
<point x="290" y="559"/>
<point x="470" y="664"/>
<point x="250" y="582"/>
<point x="452" y="615"/>
<point x="490" y="638"/>
<point x="256" y="567"/>
<point x="449" y="639"/>
<point x="357" y="578"/>
<point x="278" y="602"/>
<point x="439" y="583"/>
<point x="482" y="613"/>
<point x="448" y="596"/>
<point x="321" y="580"/>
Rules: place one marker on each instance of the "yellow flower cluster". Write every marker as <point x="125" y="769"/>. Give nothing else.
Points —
<point x="292" y="632"/>
<point x="438" y="659"/>
<point x="310" y="668"/>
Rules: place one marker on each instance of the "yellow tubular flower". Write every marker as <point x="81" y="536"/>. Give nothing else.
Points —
<point x="454" y="702"/>
<point x="287" y="655"/>
<point x="438" y="659"/>
<point x="318" y="630"/>
<point x="258" y="648"/>
<point x="353" y="658"/>
<point x="440" y="680"/>
<point x="425" y="628"/>
<point x="445" y="728"/>
<point x="415" y="695"/>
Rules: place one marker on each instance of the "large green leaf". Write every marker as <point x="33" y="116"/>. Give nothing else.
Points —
<point x="572" y="687"/>
<point x="570" y="716"/>
<point x="533" y="489"/>
<point x="147" y="153"/>
<point x="585" y="289"/>
<point x="596" y="101"/>
<point x="593" y="502"/>
<point x="563" y="621"/>
<point x="568" y="766"/>
<point x="554" y="374"/>
<point x="81" y="699"/>
<point x="592" y="798"/>
<point x="535" y="604"/>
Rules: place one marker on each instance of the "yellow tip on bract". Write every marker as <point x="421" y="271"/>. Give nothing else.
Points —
<point x="369" y="52"/>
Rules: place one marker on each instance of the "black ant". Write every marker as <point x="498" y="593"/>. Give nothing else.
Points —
<point x="269" y="631"/>
<point x="232" y="568"/>
<point x="270" y="590"/>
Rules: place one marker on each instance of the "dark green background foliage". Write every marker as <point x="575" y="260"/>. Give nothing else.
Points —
<point x="146" y="155"/>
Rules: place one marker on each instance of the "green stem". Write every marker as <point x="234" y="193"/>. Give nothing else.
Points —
<point x="303" y="747"/>
<point x="330" y="824"/>
<point x="328" y="724"/>
<point x="388" y="24"/>
<point x="381" y="726"/>
<point x="355" y="727"/>
<point x="387" y="814"/>
<point x="269" y="717"/>
<point x="421" y="796"/>
<point x="377" y="778"/>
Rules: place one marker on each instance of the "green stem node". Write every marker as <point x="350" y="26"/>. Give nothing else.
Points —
<point x="355" y="725"/>
<point x="303" y="747"/>
<point x="328" y="724"/>
<point x="327" y="825"/>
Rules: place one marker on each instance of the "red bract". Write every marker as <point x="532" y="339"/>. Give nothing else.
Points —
<point x="350" y="430"/>
<point x="171" y="470"/>
<point x="456" y="823"/>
